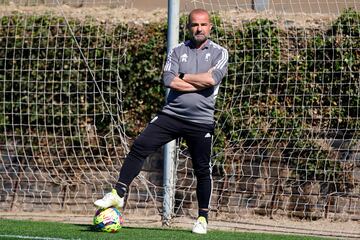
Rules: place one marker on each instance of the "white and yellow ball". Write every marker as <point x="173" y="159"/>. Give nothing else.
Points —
<point x="108" y="220"/>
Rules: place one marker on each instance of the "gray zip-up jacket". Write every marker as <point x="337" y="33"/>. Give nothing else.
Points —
<point x="196" y="106"/>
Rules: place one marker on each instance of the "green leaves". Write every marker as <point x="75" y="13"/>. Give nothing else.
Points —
<point x="290" y="88"/>
<point x="347" y="24"/>
<point x="282" y="86"/>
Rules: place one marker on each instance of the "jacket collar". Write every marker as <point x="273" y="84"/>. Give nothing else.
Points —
<point x="190" y="44"/>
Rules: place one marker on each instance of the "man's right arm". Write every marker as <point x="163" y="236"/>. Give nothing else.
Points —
<point x="171" y="78"/>
<point x="180" y="85"/>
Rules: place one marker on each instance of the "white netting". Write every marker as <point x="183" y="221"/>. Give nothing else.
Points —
<point x="61" y="112"/>
<point x="64" y="72"/>
<point x="286" y="143"/>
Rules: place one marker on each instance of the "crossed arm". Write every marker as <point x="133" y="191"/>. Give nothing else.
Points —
<point x="193" y="82"/>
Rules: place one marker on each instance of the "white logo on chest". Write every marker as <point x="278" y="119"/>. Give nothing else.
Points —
<point x="207" y="57"/>
<point x="183" y="58"/>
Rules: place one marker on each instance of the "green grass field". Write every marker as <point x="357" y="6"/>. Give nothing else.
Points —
<point x="15" y="229"/>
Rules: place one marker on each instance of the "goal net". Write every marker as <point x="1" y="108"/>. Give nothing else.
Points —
<point x="286" y="143"/>
<point x="80" y="79"/>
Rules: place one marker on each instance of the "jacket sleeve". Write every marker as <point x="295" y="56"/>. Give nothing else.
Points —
<point x="220" y="65"/>
<point x="171" y="69"/>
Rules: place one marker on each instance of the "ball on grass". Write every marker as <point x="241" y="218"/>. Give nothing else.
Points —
<point x="108" y="220"/>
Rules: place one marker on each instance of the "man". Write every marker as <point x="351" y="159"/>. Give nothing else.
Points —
<point x="193" y="72"/>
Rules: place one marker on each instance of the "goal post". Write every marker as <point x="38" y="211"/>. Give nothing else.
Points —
<point x="170" y="148"/>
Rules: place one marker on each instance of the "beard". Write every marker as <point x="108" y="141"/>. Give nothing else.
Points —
<point x="199" y="38"/>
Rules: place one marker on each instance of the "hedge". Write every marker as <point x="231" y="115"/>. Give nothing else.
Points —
<point x="286" y="88"/>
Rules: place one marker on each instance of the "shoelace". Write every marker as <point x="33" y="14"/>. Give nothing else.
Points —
<point x="108" y="196"/>
<point x="199" y="223"/>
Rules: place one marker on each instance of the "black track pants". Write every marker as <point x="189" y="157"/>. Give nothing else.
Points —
<point x="161" y="130"/>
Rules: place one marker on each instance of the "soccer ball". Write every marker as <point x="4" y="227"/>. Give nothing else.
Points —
<point x="108" y="220"/>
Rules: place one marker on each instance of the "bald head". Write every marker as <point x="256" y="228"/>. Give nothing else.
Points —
<point x="199" y="26"/>
<point x="197" y="12"/>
